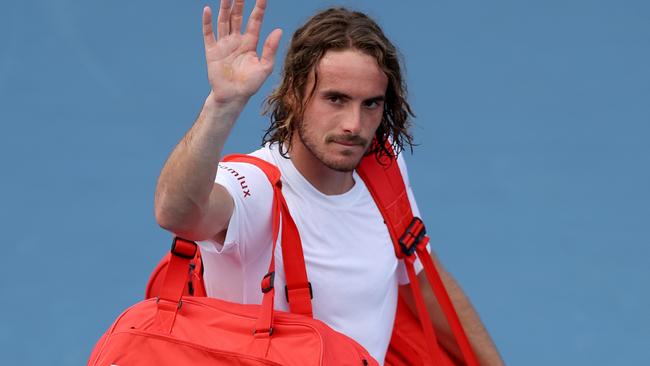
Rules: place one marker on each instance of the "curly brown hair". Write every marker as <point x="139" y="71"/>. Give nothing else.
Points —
<point x="338" y="29"/>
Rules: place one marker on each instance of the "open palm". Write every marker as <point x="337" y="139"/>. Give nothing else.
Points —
<point x="235" y="71"/>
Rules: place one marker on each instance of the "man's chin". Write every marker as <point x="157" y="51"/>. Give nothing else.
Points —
<point x="345" y="165"/>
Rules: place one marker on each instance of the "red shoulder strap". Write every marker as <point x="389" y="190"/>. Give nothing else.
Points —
<point x="386" y="185"/>
<point x="298" y="289"/>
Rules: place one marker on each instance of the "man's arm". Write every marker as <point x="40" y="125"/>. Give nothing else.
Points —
<point x="187" y="201"/>
<point x="482" y="344"/>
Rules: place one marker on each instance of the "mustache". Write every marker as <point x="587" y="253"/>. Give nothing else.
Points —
<point x="347" y="139"/>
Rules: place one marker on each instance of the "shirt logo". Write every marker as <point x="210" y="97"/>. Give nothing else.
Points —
<point x="240" y="178"/>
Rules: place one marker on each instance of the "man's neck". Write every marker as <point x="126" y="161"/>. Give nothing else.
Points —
<point x="326" y="180"/>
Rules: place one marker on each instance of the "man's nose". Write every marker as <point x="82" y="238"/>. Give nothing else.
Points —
<point x="352" y="120"/>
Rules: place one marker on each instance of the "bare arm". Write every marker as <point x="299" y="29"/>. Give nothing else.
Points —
<point x="482" y="344"/>
<point x="187" y="201"/>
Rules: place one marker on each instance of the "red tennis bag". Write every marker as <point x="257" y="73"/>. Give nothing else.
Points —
<point x="171" y="328"/>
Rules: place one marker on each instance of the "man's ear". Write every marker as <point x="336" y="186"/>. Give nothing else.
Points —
<point x="289" y="100"/>
<point x="292" y="102"/>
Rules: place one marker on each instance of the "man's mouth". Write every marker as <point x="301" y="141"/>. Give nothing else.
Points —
<point x="351" y="142"/>
<point x="347" y="143"/>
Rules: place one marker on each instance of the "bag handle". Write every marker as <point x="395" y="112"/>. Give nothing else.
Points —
<point x="294" y="264"/>
<point x="384" y="180"/>
<point x="298" y="288"/>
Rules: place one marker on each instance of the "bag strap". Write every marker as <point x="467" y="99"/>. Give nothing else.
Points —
<point x="298" y="288"/>
<point x="169" y="300"/>
<point x="386" y="185"/>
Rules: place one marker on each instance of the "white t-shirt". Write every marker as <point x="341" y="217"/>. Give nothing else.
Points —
<point x="348" y="253"/>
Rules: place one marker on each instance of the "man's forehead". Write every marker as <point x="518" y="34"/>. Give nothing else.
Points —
<point x="351" y="69"/>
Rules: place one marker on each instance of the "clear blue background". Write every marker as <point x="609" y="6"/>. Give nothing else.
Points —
<point x="533" y="119"/>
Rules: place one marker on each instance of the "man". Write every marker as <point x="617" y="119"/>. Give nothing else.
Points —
<point x="341" y="88"/>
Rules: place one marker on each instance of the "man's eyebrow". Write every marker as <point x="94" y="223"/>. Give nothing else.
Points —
<point x="378" y="98"/>
<point x="335" y="93"/>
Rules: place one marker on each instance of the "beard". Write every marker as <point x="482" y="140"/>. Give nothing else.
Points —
<point x="346" y="164"/>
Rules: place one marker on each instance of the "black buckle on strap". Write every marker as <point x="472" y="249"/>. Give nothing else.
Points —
<point x="183" y="248"/>
<point x="413" y="235"/>
<point x="262" y="331"/>
<point x="267" y="282"/>
<point x="286" y="291"/>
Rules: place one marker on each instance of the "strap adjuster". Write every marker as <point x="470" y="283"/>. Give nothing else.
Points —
<point x="286" y="291"/>
<point x="267" y="282"/>
<point x="412" y="236"/>
<point x="263" y="332"/>
<point x="183" y="248"/>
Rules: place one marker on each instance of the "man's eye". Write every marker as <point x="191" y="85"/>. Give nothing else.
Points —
<point x="372" y="104"/>
<point x="335" y="99"/>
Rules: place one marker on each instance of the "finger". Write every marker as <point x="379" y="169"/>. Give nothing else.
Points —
<point x="236" y="16"/>
<point x="223" y="20"/>
<point x="208" y="33"/>
<point x="271" y="47"/>
<point x="255" y="20"/>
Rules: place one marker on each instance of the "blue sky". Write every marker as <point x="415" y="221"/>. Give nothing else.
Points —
<point x="533" y="120"/>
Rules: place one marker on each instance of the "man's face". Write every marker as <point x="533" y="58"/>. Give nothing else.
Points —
<point x="341" y="117"/>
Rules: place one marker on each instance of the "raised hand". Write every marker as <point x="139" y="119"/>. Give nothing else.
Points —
<point x="235" y="71"/>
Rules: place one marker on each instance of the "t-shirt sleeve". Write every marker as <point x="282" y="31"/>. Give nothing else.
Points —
<point x="402" y="275"/>
<point x="249" y="229"/>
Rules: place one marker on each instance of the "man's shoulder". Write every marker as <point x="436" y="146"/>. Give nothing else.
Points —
<point x="401" y="163"/>
<point x="265" y="153"/>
